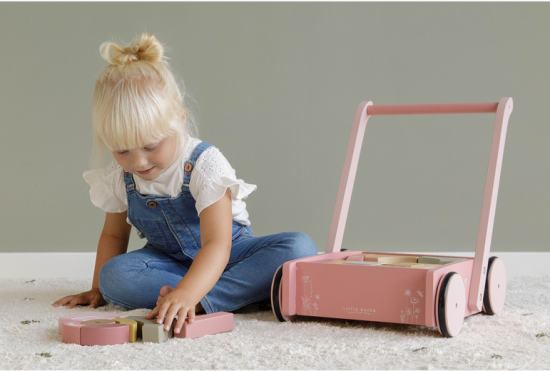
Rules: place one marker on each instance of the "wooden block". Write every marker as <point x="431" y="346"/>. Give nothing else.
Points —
<point x="85" y="316"/>
<point x="405" y="264"/>
<point x="70" y="332"/>
<point x="207" y="324"/>
<point x="427" y="266"/>
<point x="449" y="260"/>
<point x="357" y="257"/>
<point x="98" y="322"/>
<point x="132" y="327"/>
<point x="108" y="334"/>
<point x="363" y="263"/>
<point x="151" y="331"/>
<point x="437" y="259"/>
<point x="390" y="258"/>
<point x="336" y="262"/>
<point x="428" y="259"/>
<point x="97" y="328"/>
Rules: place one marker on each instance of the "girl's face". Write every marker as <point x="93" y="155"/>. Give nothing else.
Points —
<point x="148" y="162"/>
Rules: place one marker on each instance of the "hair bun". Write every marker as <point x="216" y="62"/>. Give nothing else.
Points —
<point x="143" y="48"/>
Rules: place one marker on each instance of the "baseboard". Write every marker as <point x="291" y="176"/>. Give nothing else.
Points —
<point x="81" y="265"/>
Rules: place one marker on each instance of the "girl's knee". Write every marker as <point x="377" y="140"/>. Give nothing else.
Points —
<point x="112" y="273"/>
<point x="302" y="245"/>
<point x="105" y="277"/>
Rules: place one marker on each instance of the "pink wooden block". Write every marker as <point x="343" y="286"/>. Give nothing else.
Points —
<point x="104" y="334"/>
<point x="87" y="316"/>
<point x="82" y="333"/>
<point x="207" y="324"/>
<point x="71" y="327"/>
<point x="71" y="331"/>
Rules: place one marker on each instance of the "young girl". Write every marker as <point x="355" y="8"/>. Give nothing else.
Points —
<point x="179" y="193"/>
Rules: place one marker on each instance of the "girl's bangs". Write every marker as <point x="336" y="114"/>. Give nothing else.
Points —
<point x="125" y="134"/>
<point x="135" y="120"/>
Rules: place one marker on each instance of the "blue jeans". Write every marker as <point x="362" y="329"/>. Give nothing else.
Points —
<point x="133" y="280"/>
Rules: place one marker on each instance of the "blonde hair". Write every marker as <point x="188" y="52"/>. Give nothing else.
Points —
<point x="137" y="100"/>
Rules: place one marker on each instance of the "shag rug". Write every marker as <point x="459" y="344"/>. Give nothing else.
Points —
<point x="516" y="338"/>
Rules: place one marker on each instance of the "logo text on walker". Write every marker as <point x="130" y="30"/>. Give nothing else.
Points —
<point x="359" y="310"/>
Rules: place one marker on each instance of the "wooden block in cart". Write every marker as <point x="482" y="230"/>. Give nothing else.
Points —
<point x="437" y="259"/>
<point x="389" y="258"/>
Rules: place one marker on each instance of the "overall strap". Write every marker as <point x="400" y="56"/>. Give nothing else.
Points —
<point x="129" y="181"/>
<point x="190" y="163"/>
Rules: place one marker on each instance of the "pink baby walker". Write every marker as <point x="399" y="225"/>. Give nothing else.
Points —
<point x="434" y="291"/>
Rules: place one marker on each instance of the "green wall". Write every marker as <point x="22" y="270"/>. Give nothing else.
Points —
<point x="276" y="87"/>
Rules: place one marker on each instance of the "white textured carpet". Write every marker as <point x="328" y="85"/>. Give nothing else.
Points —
<point x="517" y="338"/>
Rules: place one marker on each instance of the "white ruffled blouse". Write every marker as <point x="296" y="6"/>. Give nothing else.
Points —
<point x="210" y="178"/>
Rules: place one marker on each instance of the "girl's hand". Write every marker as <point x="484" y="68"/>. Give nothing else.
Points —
<point x="92" y="297"/>
<point x="175" y="302"/>
<point x="163" y="291"/>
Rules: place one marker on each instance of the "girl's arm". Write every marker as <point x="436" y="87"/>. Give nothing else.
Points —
<point x="216" y="223"/>
<point x="216" y="229"/>
<point x="112" y="242"/>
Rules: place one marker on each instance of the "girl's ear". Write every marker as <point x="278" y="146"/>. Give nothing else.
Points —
<point x="183" y="113"/>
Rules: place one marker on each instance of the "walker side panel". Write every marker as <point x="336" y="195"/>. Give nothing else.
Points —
<point x="288" y="282"/>
<point x="368" y="293"/>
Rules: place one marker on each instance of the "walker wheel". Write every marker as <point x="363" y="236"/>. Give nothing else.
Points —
<point x="495" y="287"/>
<point x="276" y="294"/>
<point x="450" y="305"/>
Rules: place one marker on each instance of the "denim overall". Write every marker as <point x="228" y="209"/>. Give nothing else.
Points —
<point x="172" y="228"/>
<point x="171" y="225"/>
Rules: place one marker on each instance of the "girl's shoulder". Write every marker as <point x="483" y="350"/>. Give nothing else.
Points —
<point x="212" y="176"/>
<point x="109" y="174"/>
<point x="105" y="187"/>
<point x="210" y="162"/>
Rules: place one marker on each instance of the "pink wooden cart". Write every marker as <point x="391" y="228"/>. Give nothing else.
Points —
<point x="435" y="291"/>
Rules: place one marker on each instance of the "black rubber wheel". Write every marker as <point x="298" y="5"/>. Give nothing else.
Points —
<point x="492" y="306"/>
<point x="486" y="304"/>
<point x="275" y="288"/>
<point x="450" y="288"/>
<point x="441" y="324"/>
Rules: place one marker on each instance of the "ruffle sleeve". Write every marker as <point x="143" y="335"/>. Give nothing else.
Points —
<point x="212" y="176"/>
<point x="104" y="184"/>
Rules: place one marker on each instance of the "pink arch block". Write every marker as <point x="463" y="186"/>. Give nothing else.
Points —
<point x="104" y="334"/>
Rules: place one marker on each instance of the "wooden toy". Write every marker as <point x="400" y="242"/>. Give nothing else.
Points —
<point x="436" y="260"/>
<point x="426" y="266"/>
<point x="389" y="258"/>
<point x="151" y="331"/>
<point x="100" y="328"/>
<point x="439" y="293"/>
<point x="132" y="327"/>
<point x="404" y="265"/>
<point x="207" y="324"/>
<point x="91" y="328"/>
<point x="364" y="263"/>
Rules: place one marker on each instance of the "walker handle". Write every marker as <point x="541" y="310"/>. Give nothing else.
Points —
<point x="419" y="109"/>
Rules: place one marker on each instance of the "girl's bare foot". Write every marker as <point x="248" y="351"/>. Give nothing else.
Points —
<point x="166" y="289"/>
